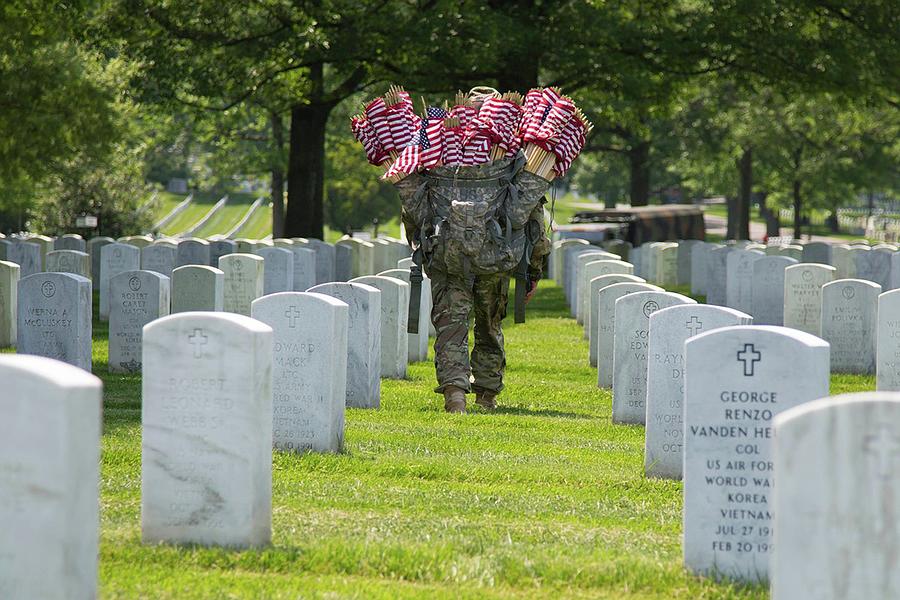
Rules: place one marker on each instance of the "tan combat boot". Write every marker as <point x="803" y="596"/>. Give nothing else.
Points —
<point x="486" y="400"/>
<point x="454" y="399"/>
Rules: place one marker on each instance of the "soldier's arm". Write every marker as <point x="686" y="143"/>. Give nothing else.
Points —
<point x="537" y="262"/>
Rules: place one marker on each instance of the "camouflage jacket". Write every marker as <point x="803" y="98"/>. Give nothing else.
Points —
<point x="478" y="220"/>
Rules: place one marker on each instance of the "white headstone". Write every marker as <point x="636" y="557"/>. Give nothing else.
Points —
<point x="418" y="342"/>
<point x="849" y="308"/>
<point x="686" y="261"/>
<point x="304" y="267"/>
<point x="887" y="351"/>
<point x="69" y="261"/>
<point x="325" y="259"/>
<point x="803" y="295"/>
<point x="364" y="340"/>
<point x="717" y="274"/>
<point x="70" y="241"/>
<point x="54" y="317"/>
<point x="9" y="289"/>
<point x="590" y="271"/>
<point x="159" y="258"/>
<point x="836" y="499"/>
<point x="114" y="259"/>
<point x="670" y="328"/>
<point x="632" y="324"/>
<point x="767" y="293"/>
<point x="667" y="264"/>
<point x="206" y="460"/>
<point x="579" y="283"/>
<point x="842" y="258"/>
<point x="27" y="255"/>
<point x="557" y="254"/>
<point x="195" y="287"/>
<point x="136" y="298"/>
<point x="278" y="271"/>
<point x="309" y="383"/>
<point x="817" y="252"/>
<point x="736" y="380"/>
<point x="244" y="276"/>
<point x="94" y="246"/>
<point x="875" y="266"/>
<point x="739" y="279"/>
<point x="591" y="318"/>
<point x="699" y="271"/>
<point x="192" y="252"/>
<point x="394" y="314"/>
<point x="49" y="479"/>
<point x="605" y="330"/>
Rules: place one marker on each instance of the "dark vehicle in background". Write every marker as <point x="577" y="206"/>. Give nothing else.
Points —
<point x="638" y="225"/>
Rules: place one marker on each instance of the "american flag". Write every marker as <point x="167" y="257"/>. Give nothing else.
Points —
<point x="431" y="137"/>
<point x="476" y="151"/>
<point x="571" y="141"/>
<point x="376" y="114"/>
<point x="557" y="117"/>
<point x="464" y="114"/>
<point x="452" y="145"/>
<point x="408" y="162"/>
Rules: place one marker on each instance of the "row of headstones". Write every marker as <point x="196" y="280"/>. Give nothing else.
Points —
<point x="708" y="385"/>
<point x="315" y="261"/>
<point x="854" y="316"/>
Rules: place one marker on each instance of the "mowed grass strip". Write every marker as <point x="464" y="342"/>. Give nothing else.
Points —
<point x="196" y="210"/>
<point x="544" y="498"/>
<point x="259" y="225"/>
<point x="228" y="216"/>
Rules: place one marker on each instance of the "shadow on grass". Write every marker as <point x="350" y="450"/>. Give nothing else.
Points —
<point x="519" y="411"/>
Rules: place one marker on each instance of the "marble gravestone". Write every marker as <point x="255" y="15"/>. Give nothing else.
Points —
<point x="49" y="479"/>
<point x="136" y="298"/>
<point x="894" y="277"/>
<point x="817" y="252"/>
<point x="739" y="279"/>
<point x="244" y="246"/>
<point x="669" y="329"/>
<point x="616" y="246"/>
<point x="243" y="281"/>
<point x="114" y="259"/>
<point x="736" y="380"/>
<point x="195" y="287"/>
<point x="418" y="342"/>
<point x="362" y="256"/>
<point x="159" y="258"/>
<point x="192" y="252"/>
<point x="4" y="244"/>
<point x="206" y="415"/>
<point x="54" y="318"/>
<point x="324" y="260"/>
<point x="406" y="263"/>
<point x="887" y="350"/>
<point x="794" y="251"/>
<point x="304" y="267"/>
<point x="558" y="254"/>
<point x="836" y="499"/>
<point x="667" y="264"/>
<point x="875" y="265"/>
<point x="632" y="318"/>
<point x="589" y="271"/>
<point x="69" y="261"/>
<point x="70" y="241"/>
<point x="9" y="289"/>
<point x="686" y="260"/>
<point x="27" y="255"/>
<point x="309" y="383"/>
<point x="849" y="308"/>
<point x="219" y="248"/>
<point x="605" y="330"/>
<point x="278" y="271"/>
<point x="591" y="319"/>
<point x="578" y="282"/>
<point x="94" y="248"/>
<point x="803" y="295"/>
<point x="364" y="340"/>
<point x="767" y="293"/>
<point x="651" y="258"/>
<point x="569" y="282"/>
<point x="842" y="259"/>
<point x="717" y="274"/>
<point x="394" y="314"/>
<point x="343" y="262"/>
<point x="699" y="271"/>
<point x="637" y="259"/>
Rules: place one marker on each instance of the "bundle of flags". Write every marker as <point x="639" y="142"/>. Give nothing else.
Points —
<point x="545" y="125"/>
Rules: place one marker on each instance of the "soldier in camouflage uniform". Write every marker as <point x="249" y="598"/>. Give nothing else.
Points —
<point x="455" y="298"/>
<point x="470" y="228"/>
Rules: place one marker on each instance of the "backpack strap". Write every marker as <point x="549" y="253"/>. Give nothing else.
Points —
<point x="415" y="289"/>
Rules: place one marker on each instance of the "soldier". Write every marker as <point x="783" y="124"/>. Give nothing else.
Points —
<point x="471" y="238"/>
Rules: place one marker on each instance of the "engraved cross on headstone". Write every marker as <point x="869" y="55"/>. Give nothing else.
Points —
<point x="292" y="314"/>
<point x="749" y="356"/>
<point x="197" y="340"/>
<point x="694" y="325"/>
<point x="883" y="447"/>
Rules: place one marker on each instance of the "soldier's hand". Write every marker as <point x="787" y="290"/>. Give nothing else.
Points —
<point x="531" y="290"/>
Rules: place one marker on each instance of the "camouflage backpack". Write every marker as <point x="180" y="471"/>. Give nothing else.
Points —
<point x="473" y="220"/>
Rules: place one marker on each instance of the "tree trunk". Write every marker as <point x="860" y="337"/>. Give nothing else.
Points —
<point x="730" y="218"/>
<point x="742" y="202"/>
<point x="277" y="185"/>
<point x="798" y="206"/>
<point x="306" y="168"/>
<point x="639" y="161"/>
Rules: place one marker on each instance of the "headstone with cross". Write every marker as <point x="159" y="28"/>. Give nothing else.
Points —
<point x="309" y="382"/>
<point x="114" y="259"/>
<point x="803" y="295"/>
<point x="605" y="331"/>
<point x="849" y="320"/>
<point x="736" y="380"/>
<point x="630" y="351"/>
<point x="9" y="284"/>
<point x="207" y="430"/>
<point x="394" y="314"/>
<point x="767" y="294"/>
<point x="591" y="318"/>
<point x="49" y="479"/>
<point x="136" y="298"/>
<point x="244" y="276"/>
<point x="364" y="340"/>
<point x="669" y="329"/>
<point x="54" y="317"/>
<point x="837" y="497"/>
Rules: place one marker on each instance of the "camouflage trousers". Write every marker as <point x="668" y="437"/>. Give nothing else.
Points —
<point x="455" y="298"/>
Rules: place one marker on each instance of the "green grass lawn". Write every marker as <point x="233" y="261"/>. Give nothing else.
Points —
<point x="196" y="210"/>
<point x="164" y="203"/>
<point x="545" y="498"/>
<point x="259" y="225"/>
<point x="228" y="216"/>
